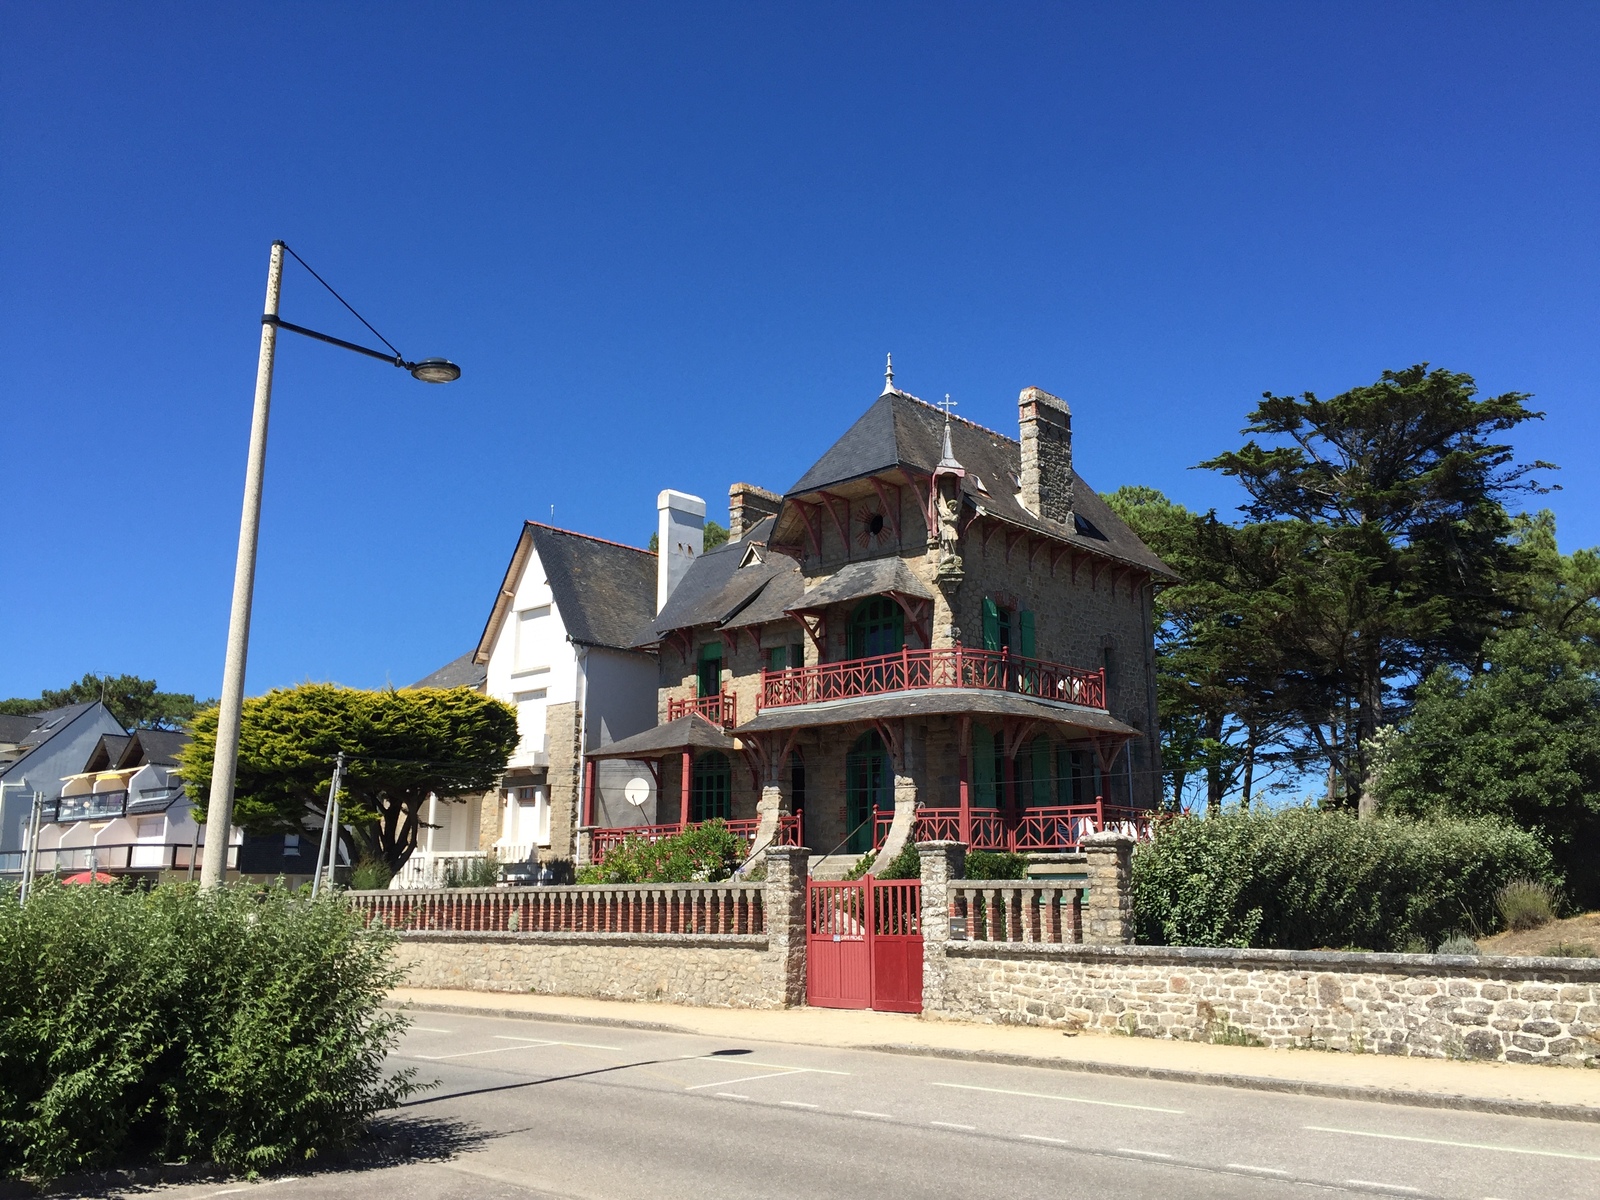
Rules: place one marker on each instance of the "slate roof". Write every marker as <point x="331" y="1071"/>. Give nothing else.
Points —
<point x="458" y="672"/>
<point x="872" y="577"/>
<point x="936" y="702"/>
<point x="157" y="746"/>
<point x="723" y="585"/>
<point x="692" y="732"/>
<point x="53" y="721"/>
<point x="604" y="591"/>
<point x="14" y="728"/>
<point x="901" y="431"/>
<point x="107" y="752"/>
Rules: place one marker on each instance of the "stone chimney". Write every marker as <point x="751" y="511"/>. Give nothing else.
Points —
<point x="1046" y="455"/>
<point x="680" y="538"/>
<point x="748" y="506"/>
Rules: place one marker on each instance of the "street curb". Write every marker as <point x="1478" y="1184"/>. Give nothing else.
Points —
<point x="1254" y="1083"/>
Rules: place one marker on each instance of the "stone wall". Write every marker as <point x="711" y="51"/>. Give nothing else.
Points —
<point x="1434" y="1006"/>
<point x="728" y="970"/>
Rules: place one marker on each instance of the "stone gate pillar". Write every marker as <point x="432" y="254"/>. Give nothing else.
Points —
<point x="941" y="862"/>
<point x="1108" y="915"/>
<point x="788" y="869"/>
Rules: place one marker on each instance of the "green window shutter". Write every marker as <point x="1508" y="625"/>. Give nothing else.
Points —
<point x="1025" y="628"/>
<point x="984" y="792"/>
<point x="991" y="624"/>
<point x="777" y="658"/>
<point x="711" y="669"/>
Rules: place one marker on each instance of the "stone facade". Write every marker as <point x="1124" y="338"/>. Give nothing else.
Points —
<point x="1433" y="1006"/>
<point x="563" y="723"/>
<point x="1108" y="916"/>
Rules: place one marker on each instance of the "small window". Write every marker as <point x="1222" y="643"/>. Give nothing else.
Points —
<point x="531" y="637"/>
<point x="535" y="694"/>
<point x="712" y="788"/>
<point x="291" y="845"/>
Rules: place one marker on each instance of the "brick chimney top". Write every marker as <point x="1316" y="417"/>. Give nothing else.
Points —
<point x="1047" y="479"/>
<point x="748" y="506"/>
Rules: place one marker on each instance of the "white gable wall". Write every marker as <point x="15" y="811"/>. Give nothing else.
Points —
<point x="532" y="664"/>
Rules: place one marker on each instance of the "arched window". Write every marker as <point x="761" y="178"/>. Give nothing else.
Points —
<point x="876" y="627"/>
<point x="869" y="789"/>
<point x="712" y="794"/>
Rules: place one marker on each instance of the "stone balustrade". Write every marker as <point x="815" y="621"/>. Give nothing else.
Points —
<point x="711" y="909"/>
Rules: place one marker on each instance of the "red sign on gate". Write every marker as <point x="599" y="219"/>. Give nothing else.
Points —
<point x="864" y="944"/>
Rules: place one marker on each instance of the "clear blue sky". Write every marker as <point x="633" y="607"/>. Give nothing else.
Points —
<point x="670" y="245"/>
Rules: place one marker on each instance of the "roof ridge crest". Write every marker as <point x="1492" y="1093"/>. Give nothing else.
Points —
<point x="589" y="537"/>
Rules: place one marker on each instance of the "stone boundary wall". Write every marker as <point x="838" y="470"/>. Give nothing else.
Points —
<point x="717" y="970"/>
<point x="1527" y="1010"/>
<point x="727" y="970"/>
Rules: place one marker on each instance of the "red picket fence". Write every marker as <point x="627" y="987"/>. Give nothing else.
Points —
<point x="1059" y="827"/>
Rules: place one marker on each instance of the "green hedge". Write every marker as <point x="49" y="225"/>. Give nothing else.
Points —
<point x="1306" y="879"/>
<point x="243" y="1027"/>
<point x="700" y="854"/>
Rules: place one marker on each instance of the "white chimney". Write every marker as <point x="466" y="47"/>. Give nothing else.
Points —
<point x="680" y="537"/>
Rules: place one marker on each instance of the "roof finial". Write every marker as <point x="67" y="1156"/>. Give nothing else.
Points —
<point x="947" y="458"/>
<point x="888" y="374"/>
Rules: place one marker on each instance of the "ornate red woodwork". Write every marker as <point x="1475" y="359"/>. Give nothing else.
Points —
<point x="721" y="709"/>
<point x="604" y="840"/>
<point x="864" y="944"/>
<point x="952" y="667"/>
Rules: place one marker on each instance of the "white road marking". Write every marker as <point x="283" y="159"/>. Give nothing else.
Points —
<point x="1258" y="1170"/>
<point x="1390" y="1187"/>
<point x="861" y="1112"/>
<point x="1034" y="1137"/>
<point x="971" y="1087"/>
<point x="742" y="1079"/>
<point x="419" y="1029"/>
<point x="753" y="1063"/>
<point x="795" y="1104"/>
<point x="490" y="1050"/>
<point x="953" y="1125"/>
<point x="1400" y="1137"/>
<point x="732" y="1096"/>
<point x="506" y="1037"/>
<point x="1143" y="1153"/>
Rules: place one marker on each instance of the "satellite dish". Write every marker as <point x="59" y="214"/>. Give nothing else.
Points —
<point x="637" y="791"/>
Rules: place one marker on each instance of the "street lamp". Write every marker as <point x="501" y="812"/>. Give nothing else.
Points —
<point x="219" y="810"/>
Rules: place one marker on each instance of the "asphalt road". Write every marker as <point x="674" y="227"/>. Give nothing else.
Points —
<point x="530" y="1109"/>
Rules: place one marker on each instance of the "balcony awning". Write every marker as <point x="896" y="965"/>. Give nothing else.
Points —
<point x="857" y="581"/>
<point x="932" y="702"/>
<point x="692" y="733"/>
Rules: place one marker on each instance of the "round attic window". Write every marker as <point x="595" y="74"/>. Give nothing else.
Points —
<point x="875" y="524"/>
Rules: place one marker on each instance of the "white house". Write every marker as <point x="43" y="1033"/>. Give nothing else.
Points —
<point x="559" y="647"/>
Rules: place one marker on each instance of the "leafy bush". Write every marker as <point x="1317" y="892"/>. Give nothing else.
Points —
<point x="1564" y="949"/>
<point x="370" y="875"/>
<point x="905" y="865"/>
<point x="1458" y="943"/>
<point x="1305" y="878"/>
<point x="474" y="873"/>
<point x="996" y="864"/>
<point x="860" y="868"/>
<point x="243" y="1026"/>
<point x="700" y="854"/>
<point x="1525" y="904"/>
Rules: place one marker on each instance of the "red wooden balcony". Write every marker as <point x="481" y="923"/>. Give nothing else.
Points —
<point x="602" y="841"/>
<point x="721" y="709"/>
<point x="953" y="667"/>
<point x="1056" y="828"/>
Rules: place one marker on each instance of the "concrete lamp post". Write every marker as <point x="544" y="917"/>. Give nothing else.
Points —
<point x="219" y="808"/>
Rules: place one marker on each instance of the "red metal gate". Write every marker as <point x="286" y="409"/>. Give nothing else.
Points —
<point x="864" y="944"/>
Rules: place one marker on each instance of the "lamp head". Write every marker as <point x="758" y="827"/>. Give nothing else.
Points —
<point x="436" y="370"/>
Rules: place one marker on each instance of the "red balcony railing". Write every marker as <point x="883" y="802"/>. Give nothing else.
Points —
<point x="602" y="841"/>
<point x="1060" y="827"/>
<point x="953" y="667"/>
<point x="721" y="709"/>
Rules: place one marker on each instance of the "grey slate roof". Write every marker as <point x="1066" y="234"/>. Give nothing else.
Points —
<point x="937" y="702"/>
<point x="717" y="590"/>
<point x="873" y="577"/>
<point x="902" y="431"/>
<point x="458" y="672"/>
<point x="53" y="721"/>
<point x="604" y="591"/>
<point x="107" y="752"/>
<point x="158" y="746"/>
<point x="693" y="732"/>
<point x="14" y="728"/>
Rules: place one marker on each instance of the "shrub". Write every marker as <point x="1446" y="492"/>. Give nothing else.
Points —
<point x="859" y="869"/>
<point x="1524" y="904"/>
<point x="244" y="1027"/>
<point x="370" y="875"/>
<point x="1458" y="943"/>
<point x="1569" y="950"/>
<point x="700" y="854"/>
<point x="905" y="865"/>
<point x="474" y="873"/>
<point x="996" y="864"/>
<point x="1305" y="878"/>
